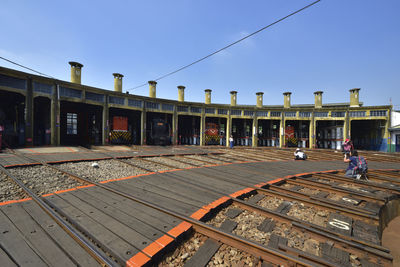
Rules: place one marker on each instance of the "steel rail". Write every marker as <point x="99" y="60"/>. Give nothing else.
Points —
<point x="251" y="247"/>
<point x="363" y="183"/>
<point x="104" y="261"/>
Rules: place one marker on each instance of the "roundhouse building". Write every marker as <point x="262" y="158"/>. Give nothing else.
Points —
<point x="35" y="110"/>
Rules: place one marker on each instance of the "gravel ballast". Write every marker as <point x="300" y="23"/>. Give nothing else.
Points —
<point x="101" y="170"/>
<point x="10" y="190"/>
<point x="43" y="180"/>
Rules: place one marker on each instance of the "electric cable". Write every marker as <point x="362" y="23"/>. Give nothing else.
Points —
<point x="225" y="47"/>
<point x="22" y="66"/>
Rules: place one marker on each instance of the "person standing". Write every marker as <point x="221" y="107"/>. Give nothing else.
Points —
<point x="231" y="142"/>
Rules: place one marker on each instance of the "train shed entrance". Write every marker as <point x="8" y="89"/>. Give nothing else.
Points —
<point x="80" y="124"/>
<point x="188" y="130"/>
<point x="215" y="132"/>
<point x="124" y="126"/>
<point x="242" y="131"/>
<point x="368" y="134"/>
<point x="41" y="118"/>
<point x="12" y="121"/>
<point x="297" y="133"/>
<point x="329" y="134"/>
<point x="268" y="133"/>
<point x="158" y="128"/>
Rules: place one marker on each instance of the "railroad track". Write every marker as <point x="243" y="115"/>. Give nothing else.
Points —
<point x="319" y="219"/>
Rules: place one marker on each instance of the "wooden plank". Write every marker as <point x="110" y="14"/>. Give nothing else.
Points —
<point x="340" y="223"/>
<point x="322" y="194"/>
<point x="135" y="209"/>
<point x="42" y="243"/>
<point x="296" y="188"/>
<point x="207" y="180"/>
<point x="373" y="206"/>
<point x="69" y="245"/>
<point x="284" y="207"/>
<point x="335" y="255"/>
<point x="366" y="231"/>
<point x="228" y="225"/>
<point x="14" y="243"/>
<point x="267" y="225"/>
<point x="276" y="240"/>
<point x="168" y="202"/>
<point x="139" y="226"/>
<point x="366" y="263"/>
<point x="233" y="212"/>
<point x="255" y="199"/>
<point x="5" y="260"/>
<point x="111" y="223"/>
<point x="204" y="254"/>
<point x="120" y="249"/>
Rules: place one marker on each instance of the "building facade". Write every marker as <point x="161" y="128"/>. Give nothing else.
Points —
<point x="35" y="110"/>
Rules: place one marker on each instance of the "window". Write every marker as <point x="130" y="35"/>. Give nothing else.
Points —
<point x="275" y="113"/>
<point x="182" y="108"/>
<point x="304" y="114"/>
<point x="236" y="112"/>
<point x="72" y="123"/>
<point x="222" y="111"/>
<point x="195" y="109"/>
<point x="380" y="113"/>
<point x="210" y="110"/>
<point x="167" y="107"/>
<point x="116" y="100"/>
<point x="338" y="114"/>
<point x="135" y="103"/>
<point x="290" y="114"/>
<point x="262" y="113"/>
<point x="357" y="113"/>
<point x="321" y="114"/>
<point x="248" y="113"/>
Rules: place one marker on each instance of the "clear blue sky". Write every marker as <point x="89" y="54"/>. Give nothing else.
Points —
<point x="333" y="46"/>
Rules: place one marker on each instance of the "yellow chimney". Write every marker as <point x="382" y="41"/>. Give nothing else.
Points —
<point x="286" y="99"/>
<point x="354" y="97"/>
<point x="118" y="82"/>
<point x="181" y="93"/>
<point x="152" y="89"/>
<point x="75" y="72"/>
<point x="259" y="99"/>
<point x="318" y="99"/>
<point x="233" y="98"/>
<point x="208" y="96"/>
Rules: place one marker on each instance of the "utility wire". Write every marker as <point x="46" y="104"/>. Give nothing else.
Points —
<point x="219" y="50"/>
<point x="26" y="67"/>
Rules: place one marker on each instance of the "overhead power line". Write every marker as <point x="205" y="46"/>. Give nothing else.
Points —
<point x="22" y="66"/>
<point x="225" y="47"/>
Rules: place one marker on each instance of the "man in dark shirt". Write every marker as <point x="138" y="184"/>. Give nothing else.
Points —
<point x="352" y="160"/>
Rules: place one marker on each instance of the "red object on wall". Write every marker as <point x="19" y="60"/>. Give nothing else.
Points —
<point x="120" y="123"/>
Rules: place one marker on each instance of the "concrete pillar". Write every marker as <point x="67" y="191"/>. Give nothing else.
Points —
<point x="354" y="97"/>
<point x="312" y="132"/>
<point x="143" y="127"/>
<point x="318" y="99"/>
<point x="105" y="122"/>
<point x="286" y="99"/>
<point x="118" y="82"/>
<point x="282" y="131"/>
<point x="255" y="131"/>
<point x="76" y="71"/>
<point x="259" y="99"/>
<point x="228" y="128"/>
<point x="202" y="127"/>
<point x="175" y="127"/>
<point x="208" y="96"/>
<point x="152" y="89"/>
<point x="29" y="113"/>
<point x="346" y="126"/>
<point x="181" y="93"/>
<point x="55" y="117"/>
<point x="233" y="98"/>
